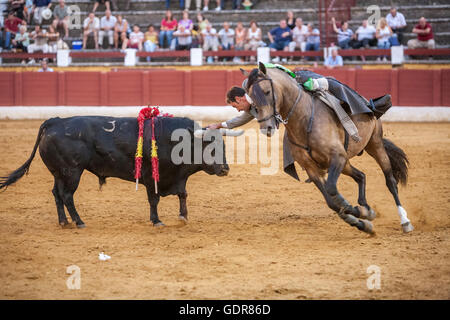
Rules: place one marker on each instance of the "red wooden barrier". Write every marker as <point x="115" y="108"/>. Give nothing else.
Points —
<point x="201" y="87"/>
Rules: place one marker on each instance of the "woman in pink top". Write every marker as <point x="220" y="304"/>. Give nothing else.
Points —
<point x="168" y="27"/>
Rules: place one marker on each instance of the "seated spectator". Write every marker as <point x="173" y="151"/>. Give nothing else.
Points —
<point x="91" y="25"/>
<point x="107" y="4"/>
<point x="226" y="37"/>
<point x="365" y="36"/>
<point x="254" y="37"/>
<point x="241" y="34"/>
<point x="280" y="37"/>
<point x="181" y="4"/>
<point x="107" y="24"/>
<point x="396" y="21"/>
<point x="61" y="15"/>
<point x="186" y="22"/>
<point x="40" y="39"/>
<point x="290" y="19"/>
<point x="312" y="39"/>
<point x="18" y="7"/>
<point x="11" y="27"/>
<point x="198" y="4"/>
<point x="344" y="34"/>
<point x="196" y="38"/>
<point x="383" y="33"/>
<point x="184" y="38"/>
<point x="425" y="38"/>
<point x="120" y="30"/>
<point x="298" y="36"/>
<point x="150" y="40"/>
<point x="168" y="27"/>
<point x="38" y="7"/>
<point x="22" y="40"/>
<point x="220" y="5"/>
<point x="28" y="10"/>
<point x="333" y="60"/>
<point x="236" y="4"/>
<point x="210" y="39"/>
<point x="52" y="39"/>
<point x="201" y="22"/>
<point x="136" y="39"/>
<point x="45" y="67"/>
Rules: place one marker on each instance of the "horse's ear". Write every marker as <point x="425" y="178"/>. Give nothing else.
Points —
<point x="244" y="72"/>
<point x="262" y="67"/>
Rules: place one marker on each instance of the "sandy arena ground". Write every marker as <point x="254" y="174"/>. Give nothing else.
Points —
<point x="249" y="236"/>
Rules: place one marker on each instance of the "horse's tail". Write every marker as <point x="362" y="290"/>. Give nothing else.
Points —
<point x="399" y="161"/>
<point x="20" y="172"/>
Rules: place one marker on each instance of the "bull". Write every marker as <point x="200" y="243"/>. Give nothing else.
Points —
<point x="106" y="147"/>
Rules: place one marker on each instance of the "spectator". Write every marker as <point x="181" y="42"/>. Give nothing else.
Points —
<point x="150" y="40"/>
<point x="298" y="36"/>
<point x="396" y="21"/>
<point x="220" y="5"/>
<point x="22" y="40"/>
<point x="136" y="39"/>
<point x="210" y="40"/>
<point x="196" y="37"/>
<point x="184" y="38"/>
<point x="40" y="42"/>
<point x="237" y="4"/>
<point x="18" y="7"/>
<point x="91" y="25"/>
<point x="241" y="35"/>
<point x="280" y="37"/>
<point x="290" y="19"/>
<point x="44" y="66"/>
<point x="168" y="26"/>
<point x="52" y="39"/>
<point x="11" y="28"/>
<point x="365" y="36"/>
<point x="38" y="7"/>
<point x="312" y="39"/>
<point x="107" y="24"/>
<point x="226" y="36"/>
<point x="198" y="4"/>
<point x="186" y="22"/>
<point x="333" y="60"/>
<point x="425" y="38"/>
<point x="28" y="9"/>
<point x="383" y="33"/>
<point x="181" y="4"/>
<point x="254" y="37"/>
<point x="61" y="15"/>
<point x="201" y="22"/>
<point x="344" y="34"/>
<point x="107" y="4"/>
<point x="120" y="31"/>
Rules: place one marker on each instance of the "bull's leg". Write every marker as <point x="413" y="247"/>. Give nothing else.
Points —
<point x="71" y="181"/>
<point x="345" y="211"/>
<point x="62" y="219"/>
<point x="183" y="207"/>
<point x="360" y="178"/>
<point x="153" y="199"/>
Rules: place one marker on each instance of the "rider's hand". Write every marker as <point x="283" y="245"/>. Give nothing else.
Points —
<point x="215" y="126"/>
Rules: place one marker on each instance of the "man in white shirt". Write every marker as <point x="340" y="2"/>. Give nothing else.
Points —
<point x="365" y="36"/>
<point x="298" y="36"/>
<point x="226" y="36"/>
<point x="45" y="67"/>
<point x="107" y="24"/>
<point x="397" y="22"/>
<point x="91" y="25"/>
<point x="210" y="39"/>
<point x="184" y="38"/>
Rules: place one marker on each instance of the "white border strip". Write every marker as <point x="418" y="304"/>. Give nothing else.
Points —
<point x="221" y="113"/>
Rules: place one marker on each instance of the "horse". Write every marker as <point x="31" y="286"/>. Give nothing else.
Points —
<point x="319" y="143"/>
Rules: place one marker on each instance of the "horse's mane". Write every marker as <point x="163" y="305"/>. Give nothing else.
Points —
<point x="257" y="93"/>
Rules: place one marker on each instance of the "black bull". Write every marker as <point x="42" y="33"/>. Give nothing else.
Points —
<point x="106" y="147"/>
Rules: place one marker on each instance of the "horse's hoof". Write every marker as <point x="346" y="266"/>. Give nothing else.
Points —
<point x="183" y="219"/>
<point x="159" y="224"/>
<point x="368" y="227"/>
<point x="407" y="227"/>
<point x="81" y="226"/>
<point x="367" y="214"/>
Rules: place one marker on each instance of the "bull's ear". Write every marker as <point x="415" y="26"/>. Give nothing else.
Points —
<point x="262" y="67"/>
<point x="244" y="72"/>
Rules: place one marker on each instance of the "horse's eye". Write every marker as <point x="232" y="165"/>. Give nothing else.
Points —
<point x="267" y="93"/>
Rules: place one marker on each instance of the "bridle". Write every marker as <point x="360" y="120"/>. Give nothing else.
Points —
<point x="275" y="114"/>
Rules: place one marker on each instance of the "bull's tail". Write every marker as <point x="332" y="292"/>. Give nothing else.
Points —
<point x="20" y="172"/>
<point x="399" y="161"/>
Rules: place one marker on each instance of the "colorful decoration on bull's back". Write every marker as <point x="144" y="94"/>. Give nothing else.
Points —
<point x="145" y="114"/>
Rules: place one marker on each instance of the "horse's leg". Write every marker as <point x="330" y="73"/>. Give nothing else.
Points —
<point x="153" y="199"/>
<point x="360" y="178"/>
<point x="347" y="212"/>
<point x="183" y="207"/>
<point x="376" y="149"/>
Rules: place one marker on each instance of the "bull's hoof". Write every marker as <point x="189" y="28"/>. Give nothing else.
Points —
<point x="407" y="227"/>
<point x="159" y="224"/>
<point x="367" y="227"/>
<point x="183" y="219"/>
<point x="367" y="214"/>
<point x="81" y="226"/>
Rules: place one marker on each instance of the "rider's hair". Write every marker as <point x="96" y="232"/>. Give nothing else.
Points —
<point x="233" y="93"/>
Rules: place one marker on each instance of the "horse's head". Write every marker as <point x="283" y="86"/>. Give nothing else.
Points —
<point x="261" y="90"/>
